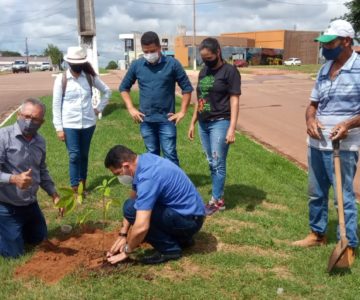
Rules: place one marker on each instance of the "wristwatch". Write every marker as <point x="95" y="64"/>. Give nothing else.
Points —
<point x="126" y="249"/>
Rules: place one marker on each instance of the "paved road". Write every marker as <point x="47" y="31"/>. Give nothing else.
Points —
<point x="272" y="107"/>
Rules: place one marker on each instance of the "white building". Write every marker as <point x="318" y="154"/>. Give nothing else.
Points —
<point x="132" y="47"/>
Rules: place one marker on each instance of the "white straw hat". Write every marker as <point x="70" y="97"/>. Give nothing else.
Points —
<point x="75" y="55"/>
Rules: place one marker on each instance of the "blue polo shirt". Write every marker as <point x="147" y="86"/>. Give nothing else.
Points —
<point x="157" y="86"/>
<point x="159" y="181"/>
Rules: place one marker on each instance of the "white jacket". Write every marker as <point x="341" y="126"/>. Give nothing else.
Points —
<point x="76" y="110"/>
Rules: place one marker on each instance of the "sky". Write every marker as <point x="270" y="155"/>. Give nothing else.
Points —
<point x="55" y="21"/>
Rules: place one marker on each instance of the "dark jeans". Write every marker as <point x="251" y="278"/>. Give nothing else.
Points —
<point x="78" y="146"/>
<point x="19" y="225"/>
<point x="168" y="229"/>
<point x="160" y="135"/>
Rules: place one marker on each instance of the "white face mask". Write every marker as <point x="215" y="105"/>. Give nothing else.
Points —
<point x="152" y="57"/>
<point x="125" y="179"/>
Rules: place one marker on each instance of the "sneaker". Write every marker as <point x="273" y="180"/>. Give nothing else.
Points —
<point x="158" y="258"/>
<point x="347" y="259"/>
<point x="311" y="240"/>
<point x="214" y="206"/>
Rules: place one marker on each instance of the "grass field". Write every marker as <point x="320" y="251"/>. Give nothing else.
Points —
<point x="245" y="251"/>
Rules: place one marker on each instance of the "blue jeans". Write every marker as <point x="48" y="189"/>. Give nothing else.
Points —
<point x="321" y="178"/>
<point x="160" y="135"/>
<point x="168" y="230"/>
<point x="213" y="140"/>
<point x="78" y="146"/>
<point x="20" y="225"/>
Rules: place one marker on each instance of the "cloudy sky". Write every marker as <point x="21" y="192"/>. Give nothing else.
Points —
<point x="54" y="21"/>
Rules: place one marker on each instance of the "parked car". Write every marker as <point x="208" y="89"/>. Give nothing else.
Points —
<point x="292" y="61"/>
<point x="240" y="63"/>
<point x="45" y="66"/>
<point x="20" y="66"/>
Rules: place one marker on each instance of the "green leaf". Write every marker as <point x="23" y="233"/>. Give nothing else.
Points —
<point x="66" y="191"/>
<point x="81" y="219"/>
<point x="107" y="192"/>
<point x="112" y="179"/>
<point x="80" y="188"/>
<point x="70" y="207"/>
<point x="99" y="187"/>
<point x="79" y="198"/>
<point x="64" y="201"/>
<point x="104" y="183"/>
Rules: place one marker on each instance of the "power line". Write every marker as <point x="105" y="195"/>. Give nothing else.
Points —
<point x="34" y="18"/>
<point x="303" y="4"/>
<point x="177" y="4"/>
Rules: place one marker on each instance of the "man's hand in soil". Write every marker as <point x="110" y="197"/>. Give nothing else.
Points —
<point x="118" y="246"/>
<point x="117" y="258"/>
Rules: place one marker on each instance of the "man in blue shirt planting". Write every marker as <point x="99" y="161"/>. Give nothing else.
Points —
<point x="166" y="212"/>
<point x="157" y="76"/>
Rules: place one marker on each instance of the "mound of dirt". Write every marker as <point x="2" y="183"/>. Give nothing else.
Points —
<point x="58" y="257"/>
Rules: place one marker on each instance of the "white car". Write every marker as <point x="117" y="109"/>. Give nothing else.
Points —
<point x="292" y="61"/>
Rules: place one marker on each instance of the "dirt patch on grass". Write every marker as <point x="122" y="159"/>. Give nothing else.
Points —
<point x="273" y="206"/>
<point x="231" y="225"/>
<point x="56" y="258"/>
<point x="241" y="249"/>
<point x="182" y="271"/>
<point x="281" y="272"/>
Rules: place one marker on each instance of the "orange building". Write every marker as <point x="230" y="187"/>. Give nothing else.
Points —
<point x="294" y="43"/>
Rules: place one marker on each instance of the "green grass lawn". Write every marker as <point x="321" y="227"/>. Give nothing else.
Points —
<point x="244" y="252"/>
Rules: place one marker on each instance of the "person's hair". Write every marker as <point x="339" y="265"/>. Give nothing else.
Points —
<point x="212" y="45"/>
<point x="35" y="102"/>
<point x="118" y="155"/>
<point x="87" y="68"/>
<point x="149" y="38"/>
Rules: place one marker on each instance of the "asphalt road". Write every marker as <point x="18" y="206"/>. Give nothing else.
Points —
<point x="272" y="106"/>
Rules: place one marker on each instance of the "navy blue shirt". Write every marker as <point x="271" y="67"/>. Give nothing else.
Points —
<point x="157" y="86"/>
<point x="159" y="181"/>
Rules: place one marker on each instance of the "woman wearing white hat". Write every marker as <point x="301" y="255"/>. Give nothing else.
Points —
<point x="74" y="116"/>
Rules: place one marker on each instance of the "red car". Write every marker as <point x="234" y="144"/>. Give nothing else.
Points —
<point x="240" y="63"/>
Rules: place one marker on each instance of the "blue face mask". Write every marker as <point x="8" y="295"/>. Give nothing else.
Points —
<point x="332" y="54"/>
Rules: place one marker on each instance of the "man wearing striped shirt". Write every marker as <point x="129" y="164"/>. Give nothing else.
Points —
<point x="333" y="114"/>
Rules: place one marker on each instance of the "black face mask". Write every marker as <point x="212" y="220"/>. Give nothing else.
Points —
<point x="211" y="63"/>
<point x="77" y="68"/>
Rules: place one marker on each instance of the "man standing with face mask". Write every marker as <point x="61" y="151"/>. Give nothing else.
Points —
<point x="166" y="211"/>
<point x="22" y="171"/>
<point x="157" y="76"/>
<point x="333" y="114"/>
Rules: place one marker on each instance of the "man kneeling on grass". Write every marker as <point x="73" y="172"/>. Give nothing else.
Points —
<point x="166" y="212"/>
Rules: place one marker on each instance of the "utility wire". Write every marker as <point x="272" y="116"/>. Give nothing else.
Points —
<point x="303" y="4"/>
<point x="33" y="18"/>
<point x="176" y="4"/>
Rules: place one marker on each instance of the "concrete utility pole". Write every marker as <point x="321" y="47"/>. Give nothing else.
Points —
<point x="87" y="37"/>
<point x="27" y="50"/>
<point x="194" y="36"/>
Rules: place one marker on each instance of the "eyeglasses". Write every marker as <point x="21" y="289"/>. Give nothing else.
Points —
<point x="30" y="117"/>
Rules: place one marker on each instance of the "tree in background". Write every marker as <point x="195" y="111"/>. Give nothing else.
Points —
<point x="353" y="16"/>
<point x="9" y="53"/>
<point x="112" y="65"/>
<point x="55" y="55"/>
